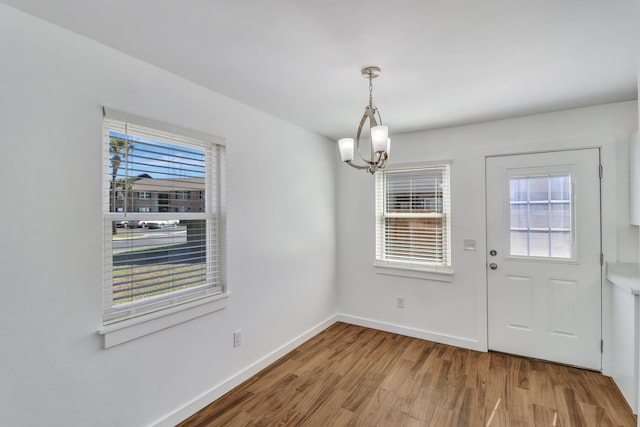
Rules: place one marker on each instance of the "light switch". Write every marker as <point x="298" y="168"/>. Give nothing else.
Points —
<point x="469" y="244"/>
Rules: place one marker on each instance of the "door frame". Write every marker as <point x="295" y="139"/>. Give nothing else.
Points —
<point x="604" y="335"/>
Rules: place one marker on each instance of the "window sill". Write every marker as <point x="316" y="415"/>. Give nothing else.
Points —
<point x="140" y="326"/>
<point x="441" y="275"/>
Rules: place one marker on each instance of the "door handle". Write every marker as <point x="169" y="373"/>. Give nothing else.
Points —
<point x="493" y="266"/>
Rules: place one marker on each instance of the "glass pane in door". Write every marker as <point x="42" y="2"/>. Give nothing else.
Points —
<point x="540" y="216"/>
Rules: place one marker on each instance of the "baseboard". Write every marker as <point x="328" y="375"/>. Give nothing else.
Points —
<point x="412" y="332"/>
<point x="217" y="391"/>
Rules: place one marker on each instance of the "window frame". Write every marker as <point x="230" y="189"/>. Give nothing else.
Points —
<point x="413" y="268"/>
<point x="142" y="318"/>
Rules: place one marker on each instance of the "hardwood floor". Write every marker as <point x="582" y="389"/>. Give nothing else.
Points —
<point x="353" y="376"/>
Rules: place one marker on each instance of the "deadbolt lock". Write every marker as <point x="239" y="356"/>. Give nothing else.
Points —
<point x="493" y="252"/>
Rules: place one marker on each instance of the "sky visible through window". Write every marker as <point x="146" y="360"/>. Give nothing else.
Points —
<point x="157" y="159"/>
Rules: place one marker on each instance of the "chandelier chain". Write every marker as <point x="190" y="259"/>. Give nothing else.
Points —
<point x="370" y="90"/>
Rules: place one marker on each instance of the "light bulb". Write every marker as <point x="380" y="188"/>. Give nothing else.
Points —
<point x="346" y="149"/>
<point x="379" y="138"/>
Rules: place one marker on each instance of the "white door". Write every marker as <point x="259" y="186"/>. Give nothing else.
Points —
<point x="543" y="256"/>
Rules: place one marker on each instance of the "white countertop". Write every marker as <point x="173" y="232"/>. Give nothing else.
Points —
<point x="625" y="275"/>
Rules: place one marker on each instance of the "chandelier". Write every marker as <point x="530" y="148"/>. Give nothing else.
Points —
<point x="380" y="142"/>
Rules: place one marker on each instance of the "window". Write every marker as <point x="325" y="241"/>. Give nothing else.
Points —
<point x="413" y="218"/>
<point x="183" y="195"/>
<point x="177" y="259"/>
<point x="540" y="216"/>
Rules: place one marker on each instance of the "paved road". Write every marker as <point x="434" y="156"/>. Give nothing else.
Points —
<point x="143" y="238"/>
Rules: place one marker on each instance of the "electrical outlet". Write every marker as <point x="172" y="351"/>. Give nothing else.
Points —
<point x="400" y="302"/>
<point x="237" y="338"/>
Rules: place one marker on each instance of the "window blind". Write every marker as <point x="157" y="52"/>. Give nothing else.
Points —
<point x="413" y="217"/>
<point x="163" y="219"/>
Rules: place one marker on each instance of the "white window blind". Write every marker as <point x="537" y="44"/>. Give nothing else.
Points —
<point x="164" y="214"/>
<point x="413" y="218"/>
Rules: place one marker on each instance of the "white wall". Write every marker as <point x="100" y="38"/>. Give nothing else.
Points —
<point x="281" y="233"/>
<point x="281" y="236"/>
<point x="455" y="312"/>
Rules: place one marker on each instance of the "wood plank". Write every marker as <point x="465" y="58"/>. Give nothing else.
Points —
<point x="353" y="376"/>
<point x="544" y="416"/>
<point x="496" y="418"/>
<point x="342" y="418"/>
<point x="497" y="390"/>
<point x="568" y="407"/>
<point x="328" y="409"/>
<point x="424" y="406"/>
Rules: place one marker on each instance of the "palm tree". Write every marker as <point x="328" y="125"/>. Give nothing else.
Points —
<point x="116" y="146"/>
<point x="118" y="150"/>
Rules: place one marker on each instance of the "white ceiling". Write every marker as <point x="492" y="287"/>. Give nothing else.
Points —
<point x="444" y="62"/>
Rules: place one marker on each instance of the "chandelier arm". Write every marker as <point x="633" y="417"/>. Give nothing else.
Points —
<point x="372" y="167"/>
<point x="360" y="167"/>
<point x="370" y="114"/>
<point x="379" y="116"/>
<point x="380" y="164"/>
<point x="383" y="160"/>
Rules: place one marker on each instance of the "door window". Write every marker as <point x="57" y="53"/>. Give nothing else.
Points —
<point x="540" y="216"/>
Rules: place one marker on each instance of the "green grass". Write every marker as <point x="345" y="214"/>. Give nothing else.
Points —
<point x="152" y="280"/>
